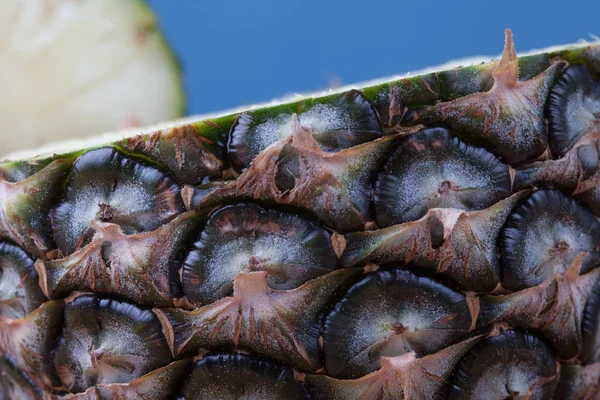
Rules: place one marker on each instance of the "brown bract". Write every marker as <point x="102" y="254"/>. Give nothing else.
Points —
<point x="24" y="207"/>
<point x="567" y="173"/>
<point x="509" y="117"/>
<point x="295" y="171"/>
<point x="554" y="308"/>
<point x="282" y="324"/>
<point x="460" y="245"/>
<point x="182" y="150"/>
<point x="30" y="341"/>
<point x="401" y="377"/>
<point x="138" y="267"/>
<point x="156" y="385"/>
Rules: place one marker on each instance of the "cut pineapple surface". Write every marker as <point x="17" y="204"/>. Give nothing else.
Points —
<point x="429" y="237"/>
<point x="80" y="68"/>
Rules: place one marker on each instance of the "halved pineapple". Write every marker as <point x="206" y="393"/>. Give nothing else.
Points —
<point x="81" y="68"/>
<point x="429" y="237"/>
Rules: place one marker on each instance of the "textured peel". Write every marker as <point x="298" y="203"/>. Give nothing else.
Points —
<point x="456" y="244"/>
<point x="280" y="324"/>
<point x="508" y="118"/>
<point x="400" y="377"/>
<point x="24" y="207"/>
<point x="156" y="385"/>
<point x="141" y="267"/>
<point x="29" y="342"/>
<point x="336" y="187"/>
<point x="247" y="238"/>
<point x="554" y="308"/>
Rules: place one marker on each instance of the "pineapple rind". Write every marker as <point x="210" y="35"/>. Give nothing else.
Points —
<point x="420" y="90"/>
<point x="452" y="247"/>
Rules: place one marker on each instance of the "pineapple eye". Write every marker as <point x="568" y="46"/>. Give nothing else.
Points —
<point x="108" y="341"/>
<point x="590" y="328"/>
<point x="247" y="238"/>
<point x="346" y="120"/>
<point x="573" y="109"/>
<point x="20" y="293"/>
<point x="432" y="169"/>
<point x="543" y="235"/>
<point x="108" y="186"/>
<point x="237" y="376"/>
<point x="510" y="365"/>
<point x="390" y="313"/>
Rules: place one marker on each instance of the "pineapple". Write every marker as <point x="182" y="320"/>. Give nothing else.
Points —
<point x="82" y="68"/>
<point x="428" y="237"/>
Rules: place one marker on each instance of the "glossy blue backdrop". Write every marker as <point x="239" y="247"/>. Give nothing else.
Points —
<point x="240" y="52"/>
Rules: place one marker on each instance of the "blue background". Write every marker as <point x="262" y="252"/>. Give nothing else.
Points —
<point x="242" y="52"/>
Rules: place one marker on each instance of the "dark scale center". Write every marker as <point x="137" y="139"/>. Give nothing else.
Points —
<point x="106" y="212"/>
<point x="398" y="329"/>
<point x="560" y="247"/>
<point x="254" y="263"/>
<point x="446" y="187"/>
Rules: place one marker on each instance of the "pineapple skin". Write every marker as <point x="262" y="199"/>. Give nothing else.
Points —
<point x="308" y="179"/>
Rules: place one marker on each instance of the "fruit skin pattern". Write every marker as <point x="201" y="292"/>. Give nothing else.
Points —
<point x="431" y="237"/>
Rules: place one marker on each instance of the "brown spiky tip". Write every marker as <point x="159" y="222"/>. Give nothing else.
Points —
<point x="543" y="235"/>
<point x="295" y="171"/>
<point x="248" y="238"/>
<point x="389" y="313"/>
<point x="339" y="122"/>
<point x="511" y="365"/>
<point x="20" y="292"/>
<point x="432" y="169"/>
<point x="507" y="72"/>
<point x="106" y="185"/>
<point x="106" y="341"/>
<point x="573" y="109"/>
<point x="236" y="376"/>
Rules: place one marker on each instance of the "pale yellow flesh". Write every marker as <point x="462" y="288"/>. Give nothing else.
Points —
<point x="76" y="68"/>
